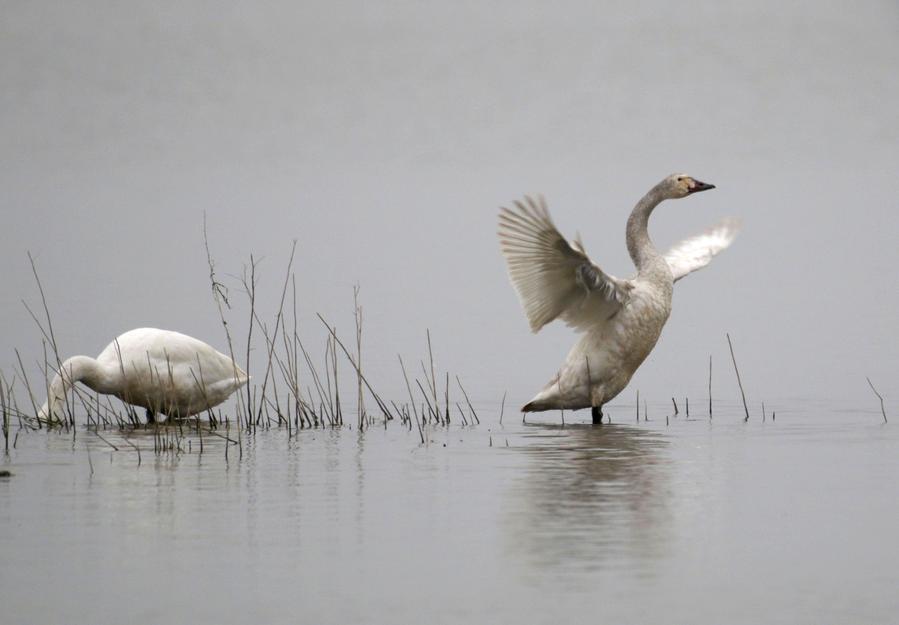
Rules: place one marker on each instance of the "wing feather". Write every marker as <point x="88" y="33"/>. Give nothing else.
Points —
<point x="697" y="252"/>
<point x="553" y="278"/>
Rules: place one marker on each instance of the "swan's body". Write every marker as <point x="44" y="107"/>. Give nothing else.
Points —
<point x="165" y="372"/>
<point x="621" y="320"/>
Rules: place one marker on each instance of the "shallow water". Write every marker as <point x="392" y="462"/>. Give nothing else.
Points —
<point x="697" y="521"/>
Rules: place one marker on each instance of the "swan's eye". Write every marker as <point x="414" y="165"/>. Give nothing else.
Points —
<point x="679" y="178"/>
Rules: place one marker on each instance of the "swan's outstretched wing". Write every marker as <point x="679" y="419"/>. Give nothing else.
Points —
<point x="553" y="277"/>
<point x="696" y="252"/>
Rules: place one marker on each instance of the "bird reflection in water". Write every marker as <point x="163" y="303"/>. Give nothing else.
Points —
<point x="591" y="498"/>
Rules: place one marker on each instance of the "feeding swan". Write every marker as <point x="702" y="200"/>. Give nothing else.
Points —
<point x="165" y="372"/>
<point x="621" y="320"/>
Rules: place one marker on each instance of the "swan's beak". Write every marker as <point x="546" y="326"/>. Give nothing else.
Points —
<point x="698" y="186"/>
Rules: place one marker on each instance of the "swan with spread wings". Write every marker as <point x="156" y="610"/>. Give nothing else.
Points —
<point x="619" y="320"/>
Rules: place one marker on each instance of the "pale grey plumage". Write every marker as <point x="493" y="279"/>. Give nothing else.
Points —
<point x="620" y="320"/>
<point x="555" y="278"/>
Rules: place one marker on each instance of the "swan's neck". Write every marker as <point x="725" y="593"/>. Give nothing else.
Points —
<point x="639" y="245"/>
<point x="78" y="369"/>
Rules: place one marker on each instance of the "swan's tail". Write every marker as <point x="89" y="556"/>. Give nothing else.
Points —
<point x="550" y="398"/>
<point x="547" y="399"/>
<point x="536" y="405"/>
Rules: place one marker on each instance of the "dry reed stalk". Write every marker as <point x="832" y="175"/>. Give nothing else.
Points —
<point x="468" y="401"/>
<point x="742" y="394"/>
<point x="278" y="319"/>
<point x="462" y="413"/>
<point x="446" y="398"/>
<point x="408" y="387"/>
<point x="5" y="412"/>
<point x="315" y="415"/>
<point x="424" y="372"/>
<point x="339" y="410"/>
<point x="330" y="397"/>
<point x="85" y="401"/>
<point x="52" y="334"/>
<point x="360" y="399"/>
<point x="710" y="386"/>
<point x="294" y="360"/>
<point x="675" y="407"/>
<point x="502" y="407"/>
<point x="431" y="410"/>
<point x="47" y="368"/>
<point x="316" y="381"/>
<point x="28" y="389"/>
<point x="250" y="289"/>
<point x="290" y="371"/>
<point x="399" y="412"/>
<point x="49" y="336"/>
<point x="879" y="396"/>
<point x="381" y="404"/>
<point x="327" y="382"/>
<point x="276" y="405"/>
<point x="220" y="295"/>
<point x="433" y="378"/>
<point x="411" y="398"/>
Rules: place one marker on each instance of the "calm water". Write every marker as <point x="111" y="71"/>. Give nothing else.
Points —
<point x="694" y="522"/>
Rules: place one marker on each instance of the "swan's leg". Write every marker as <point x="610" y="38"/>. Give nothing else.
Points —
<point x="596" y="411"/>
<point x="151" y="416"/>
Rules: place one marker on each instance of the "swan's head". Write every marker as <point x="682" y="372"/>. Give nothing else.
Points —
<point x="681" y="185"/>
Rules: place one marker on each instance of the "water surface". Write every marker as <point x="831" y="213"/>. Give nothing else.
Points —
<point x="696" y="521"/>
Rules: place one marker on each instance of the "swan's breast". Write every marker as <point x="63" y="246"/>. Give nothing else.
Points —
<point x="641" y="322"/>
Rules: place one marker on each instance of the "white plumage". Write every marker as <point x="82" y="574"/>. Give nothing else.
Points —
<point x="620" y="320"/>
<point x="697" y="252"/>
<point x="165" y="372"/>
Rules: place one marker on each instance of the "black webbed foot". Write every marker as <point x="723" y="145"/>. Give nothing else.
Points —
<point x="596" y="411"/>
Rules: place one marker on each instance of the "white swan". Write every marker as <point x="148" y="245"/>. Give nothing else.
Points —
<point x="621" y="320"/>
<point x="165" y="372"/>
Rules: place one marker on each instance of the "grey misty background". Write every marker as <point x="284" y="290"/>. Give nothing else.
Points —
<point x="383" y="137"/>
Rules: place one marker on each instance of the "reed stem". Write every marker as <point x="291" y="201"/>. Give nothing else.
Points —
<point x="742" y="394"/>
<point x="880" y="397"/>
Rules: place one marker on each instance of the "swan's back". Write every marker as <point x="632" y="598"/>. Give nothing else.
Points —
<point x="171" y="372"/>
<point x="164" y="346"/>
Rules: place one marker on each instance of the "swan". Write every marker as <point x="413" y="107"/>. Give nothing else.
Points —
<point x="165" y="372"/>
<point x="620" y="320"/>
